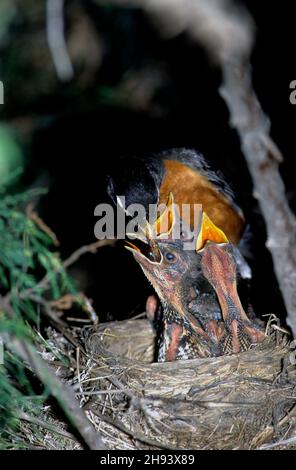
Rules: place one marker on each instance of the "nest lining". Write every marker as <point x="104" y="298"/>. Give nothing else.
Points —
<point x="242" y="401"/>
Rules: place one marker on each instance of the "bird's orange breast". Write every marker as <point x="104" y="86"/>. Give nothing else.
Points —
<point x="190" y="187"/>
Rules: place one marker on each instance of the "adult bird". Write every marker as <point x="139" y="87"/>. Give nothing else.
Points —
<point x="147" y="180"/>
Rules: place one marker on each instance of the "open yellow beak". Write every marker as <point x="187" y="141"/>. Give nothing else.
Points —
<point x="209" y="232"/>
<point x="164" y="224"/>
<point x="163" y="227"/>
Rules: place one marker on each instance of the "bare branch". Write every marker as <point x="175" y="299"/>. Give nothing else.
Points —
<point x="56" y="39"/>
<point x="263" y="159"/>
<point x="92" y="248"/>
<point x="223" y="29"/>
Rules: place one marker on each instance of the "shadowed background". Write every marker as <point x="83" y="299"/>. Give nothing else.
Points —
<point x="132" y="92"/>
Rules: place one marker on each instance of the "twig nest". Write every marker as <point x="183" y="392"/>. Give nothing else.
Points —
<point x="242" y="401"/>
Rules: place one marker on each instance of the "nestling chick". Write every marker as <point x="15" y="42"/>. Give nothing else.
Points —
<point x="174" y="274"/>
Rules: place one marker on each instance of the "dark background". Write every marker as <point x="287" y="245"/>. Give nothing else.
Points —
<point x="73" y="133"/>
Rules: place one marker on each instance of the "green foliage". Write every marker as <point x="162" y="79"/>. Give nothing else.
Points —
<point x="10" y="399"/>
<point x="11" y="156"/>
<point x="31" y="273"/>
<point x="26" y="251"/>
<point x="17" y="397"/>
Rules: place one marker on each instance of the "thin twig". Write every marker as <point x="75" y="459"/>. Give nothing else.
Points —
<point x="290" y="440"/>
<point x="105" y="392"/>
<point x="45" y="281"/>
<point x="135" y="435"/>
<point x="92" y="248"/>
<point x="269" y="431"/>
<point x="44" y="424"/>
<point x="34" y="216"/>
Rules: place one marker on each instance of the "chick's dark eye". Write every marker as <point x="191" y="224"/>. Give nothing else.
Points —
<point x="170" y="257"/>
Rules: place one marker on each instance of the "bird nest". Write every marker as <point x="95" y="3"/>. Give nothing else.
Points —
<point x="242" y="401"/>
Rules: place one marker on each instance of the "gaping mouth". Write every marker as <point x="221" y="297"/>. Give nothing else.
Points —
<point x="148" y="237"/>
<point x="148" y="251"/>
<point x="209" y="232"/>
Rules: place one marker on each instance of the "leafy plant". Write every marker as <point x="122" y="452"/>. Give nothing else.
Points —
<point x="31" y="274"/>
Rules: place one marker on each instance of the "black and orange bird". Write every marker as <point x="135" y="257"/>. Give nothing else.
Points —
<point x="197" y="287"/>
<point x="148" y="180"/>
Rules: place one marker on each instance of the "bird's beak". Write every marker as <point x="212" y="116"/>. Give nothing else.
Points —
<point x="209" y="232"/>
<point x="131" y="247"/>
<point x="148" y="250"/>
<point x="137" y="253"/>
<point x="163" y="226"/>
<point x="161" y="229"/>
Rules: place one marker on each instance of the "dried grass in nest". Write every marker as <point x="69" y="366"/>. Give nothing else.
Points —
<point x="243" y="401"/>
